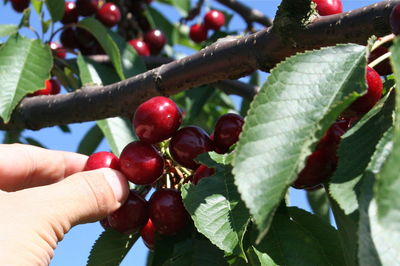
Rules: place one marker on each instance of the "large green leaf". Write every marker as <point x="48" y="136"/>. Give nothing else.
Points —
<point x="110" y="248"/>
<point x="87" y="72"/>
<point x="319" y="203"/>
<point x="104" y="38"/>
<point x="183" y="6"/>
<point x="8" y="29"/>
<point x="355" y="152"/>
<point x="300" y="100"/>
<point x="90" y="141"/>
<point x="56" y="9"/>
<point x="217" y="210"/>
<point x="24" y="66"/>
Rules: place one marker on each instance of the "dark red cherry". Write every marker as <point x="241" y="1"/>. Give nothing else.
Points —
<point x="52" y="86"/>
<point x="58" y="50"/>
<point x="70" y="13"/>
<point x="85" y="40"/>
<point x="131" y="216"/>
<point x="201" y="172"/>
<point x="331" y="139"/>
<point x="383" y="68"/>
<point x="214" y="20"/>
<point x="198" y="33"/>
<point x="105" y="224"/>
<point x="141" y="163"/>
<point x="329" y="7"/>
<point x="188" y="143"/>
<point x="87" y="7"/>
<point x="109" y="14"/>
<point x="157" y="119"/>
<point x="155" y="40"/>
<point x="102" y="159"/>
<point x="395" y="19"/>
<point x="167" y="212"/>
<point x="148" y="234"/>
<point x="227" y="131"/>
<point x="68" y="38"/>
<point x="140" y="47"/>
<point x="20" y="5"/>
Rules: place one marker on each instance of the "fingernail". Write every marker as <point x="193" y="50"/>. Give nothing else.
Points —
<point x="118" y="184"/>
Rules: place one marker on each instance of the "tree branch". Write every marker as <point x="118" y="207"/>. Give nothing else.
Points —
<point x="228" y="58"/>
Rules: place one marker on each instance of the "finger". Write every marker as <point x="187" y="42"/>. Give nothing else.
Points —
<point x="24" y="166"/>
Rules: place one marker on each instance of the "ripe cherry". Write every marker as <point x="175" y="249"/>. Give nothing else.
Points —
<point x="201" y="172"/>
<point x="70" y="13"/>
<point x="383" y="68"/>
<point x="102" y="159"/>
<point x="58" y="50"/>
<point x="52" y="86"/>
<point x="155" y="40"/>
<point x="141" y="163"/>
<point x="167" y="212"/>
<point x="131" y="216"/>
<point x="104" y="223"/>
<point x="227" y="131"/>
<point x="214" y="20"/>
<point x="198" y="33"/>
<point x="68" y="38"/>
<point x="87" y="7"/>
<point x="395" y="19"/>
<point x="188" y="143"/>
<point x="157" y="119"/>
<point x="148" y="234"/>
<point x="140" y="47"/>
<point x="109" y="14"/>
<point x="329" y="7"/>
<point x="20" y="5"/>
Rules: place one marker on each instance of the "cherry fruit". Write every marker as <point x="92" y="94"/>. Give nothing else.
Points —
<point x="57" y="50"/>
<point x="102" y="159"/>
<point x="201" y="172"/>
<point x="141" y="163"/>
<point x="198" y="33"/>
<point x="329" y="7"/>
<point x="167" y="212"/>
<point x="70" y="13"/>
<point x="227" y="131"/>
<point x="395" y="19"/>
<point x="20" y="5"/>
<point x="188" y="143"/>
<point x="157" y="119"/>
<point x="68" y="38"/>
<point x="104" y="223"/>
<point x="383" y="68"/>
<point x="109" y="14"/>
<point x="131" y="216"/>
<point x="52" y="86"/>
<point x="140" y="47"/>
<point x="155" y="40"/>
<point x="148" y="233"/>
<point x="214" y="20"/>
<point x="87" y="7"/>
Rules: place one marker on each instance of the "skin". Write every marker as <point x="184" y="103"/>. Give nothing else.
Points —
<point x="43" y="194"/>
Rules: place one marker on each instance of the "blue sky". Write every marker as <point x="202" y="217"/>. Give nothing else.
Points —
<point x="74" y="249"/>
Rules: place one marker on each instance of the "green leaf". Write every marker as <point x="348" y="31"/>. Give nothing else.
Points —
<point x="355" y="151"/>
<point x="56" y="9"/>
<point x="37" y="5"/>
<point x="300" y="100"/>
<point x="110" y="248"/>
<point x="104" y="38"/>
<point x="46" y="25"/>
<point x="217" y="210"/>
<point x="90" y="141"/>
<point x="258" y="258"/>
<point x="118" y="132"/>
<point x="183" y="6"/>
<point x="87" y="72"/>
<point x="24" y="22"/>
<point x="8" y="29"/>
<point x="24" y="66"/>
<point x="319" y="203"/>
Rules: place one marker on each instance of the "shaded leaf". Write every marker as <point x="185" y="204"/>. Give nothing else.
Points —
<point x="34" y="142"/>
<point x="319" y="203"/>
<point x="26" y="15"/>
<point x="158" y="21"/>
<point x="56" y="9"/>
<point x="90" y="141"/>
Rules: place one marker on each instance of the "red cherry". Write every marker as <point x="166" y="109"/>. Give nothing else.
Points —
<point x="157" y="119"/>
<point x="227" y="131"/>
<point x="87" y="7"/>
<point x="85" y="41"/>
<point x="102" y="159"/>
<point x="105" y="224"/>
<point x="155" y="40"/>
<point x="167" y="212"/>
<point x="141" y="163"/>
<point x="148" y="234"/>
<point x="68" y="38"/>
<point x="20" y="5"/>
<point x="198" y="33"/>
<point x="109" y="14"/>
<point x="52" y="86"/>
<point x="131" y="216"/>
<point x="395" y="19"/>
<point x="70" y="13"/>
<point x="383" y="68"/>
<point x="214" y="20"/>
<point x="188" y="143"/>
<point x="58" y="50"/>
<point x="140" y="47"/>
<point x="201" y="172"/>
<point x="329" y="7"/>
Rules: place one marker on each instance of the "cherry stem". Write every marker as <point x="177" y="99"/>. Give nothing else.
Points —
<point x="379" y="60"/>
<point x="383" y="40"/>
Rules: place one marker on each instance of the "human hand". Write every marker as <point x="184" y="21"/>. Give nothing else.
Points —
<point x="43" y="193"/>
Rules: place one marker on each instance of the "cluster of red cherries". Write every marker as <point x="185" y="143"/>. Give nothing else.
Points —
<point x="213" y="20"/>
<point x="163" y="151"/>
